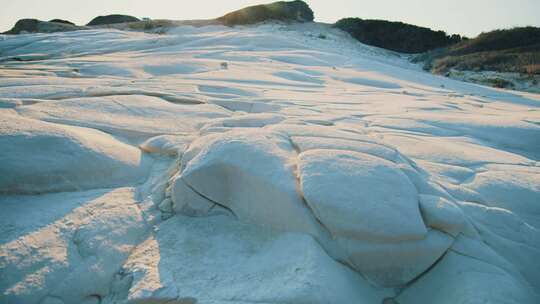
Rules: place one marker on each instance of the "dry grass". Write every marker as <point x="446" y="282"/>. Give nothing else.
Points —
<point x="514" y="50"/>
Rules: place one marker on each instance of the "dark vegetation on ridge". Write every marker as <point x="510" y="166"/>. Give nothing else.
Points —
<point x="512" y="50"/>
<point x="62" y="21"/>
<point x="24" y="25"/>
<point x="112" y="19"/>
<point x="396" y="36"/>
<point x="58" y="25"/>
<point x="283" y="11"/>
<point x="37" y="26"/>
<point x="286" y="11"/>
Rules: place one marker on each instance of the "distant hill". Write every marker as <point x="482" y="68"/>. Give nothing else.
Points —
<point x="23" y="26"/>
<point x="296" y="10"/>
<point x="287" y="11"/>
<point x="504" y="58"/>
<point x="112" y="19"/>
<point x="507" y="58"/>
<point x="513" y="50"/>
<point x="62" y="21"/>
<point x="37" y="26"/>
<point x="396" y="36"/>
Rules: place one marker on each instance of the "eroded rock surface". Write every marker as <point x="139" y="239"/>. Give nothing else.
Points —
<point x="135" y="168"/>
<point x="73" y="258"/>
<point x="39" y="157"/>
<point x="219" y="259"/>
<point x="348" y="192"/>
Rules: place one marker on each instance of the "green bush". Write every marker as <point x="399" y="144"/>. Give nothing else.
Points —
<point x="62" y="21"/>
<point x="512" y="50"/>
<point x="24" y="25"/>
<point x="112" y="19"/>
<point x="282" y="11"/>
<point x="500" y="83"/>
<point x="148" y="25"/>
<point x="396" y="36"/>
<point x="521" y="37"/>
<point x="38" y="26"/>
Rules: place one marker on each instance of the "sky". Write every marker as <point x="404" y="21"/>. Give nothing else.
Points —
<point x="466" y="17"/>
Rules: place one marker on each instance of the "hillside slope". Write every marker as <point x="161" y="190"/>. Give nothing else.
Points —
<point x="512" y="56"/>
<point x="283" y="11"/>
<point x="275" y="163"/>
<point x="503" y="58"/>
<point x="297" y="11"/>
<point x="396" y="36"/>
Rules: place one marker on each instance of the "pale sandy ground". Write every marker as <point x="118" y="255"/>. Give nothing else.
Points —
<point x="259" y="164"/>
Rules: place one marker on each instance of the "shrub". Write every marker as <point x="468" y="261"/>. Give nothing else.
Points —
<point x="62" y="21"/>
<point x="282" y="11"/>
<point x="512" y="50"/>
<point x="396" y="36"/>
<point x="38" y="26"/>
<point x="148" y="25"/>
<point x="499" y="40"/>
<point x="500" y="83"/>
<point x="533" y="68"/>
<point x="24" y="25"/>
<point x="112" y="19"/>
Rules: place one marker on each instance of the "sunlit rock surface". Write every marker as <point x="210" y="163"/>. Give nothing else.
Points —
<point x="258" y="164"/>
<point x="40" y="157"/>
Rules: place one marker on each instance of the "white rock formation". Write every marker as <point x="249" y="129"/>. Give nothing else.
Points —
<point x="463" y="279"/>
<point x="394" y="264"/>
<point x="252" y="174"/>
<point x="131" y="116"/>
<point x="39" y="157"/>
<point x="167" y="144"/>
<point x="348" y="193"/>
<point x="135" y="169"/>
<point x="440" y="213"/>
<point x="220" y="260"/>
<point x="71" y="259"/>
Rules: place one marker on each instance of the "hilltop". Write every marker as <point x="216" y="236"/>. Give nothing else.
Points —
<point x="502" y="58"/>
<point x="511" y="57"/>
<point x="396" y="36"/>
<point x="284" y="11"/>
